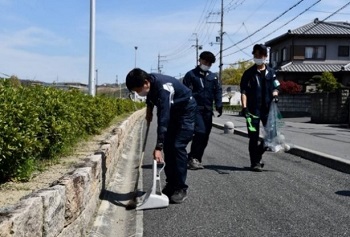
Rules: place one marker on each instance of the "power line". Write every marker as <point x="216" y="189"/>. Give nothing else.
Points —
<point x="307" y="9"/>
<point x="314" y="25"/>
<point x="265" y="25"/>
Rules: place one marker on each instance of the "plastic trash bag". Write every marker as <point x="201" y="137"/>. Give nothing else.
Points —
<point x="273" y="137"/>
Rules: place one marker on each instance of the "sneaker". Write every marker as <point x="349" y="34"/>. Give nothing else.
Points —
<point x="179" y="196"/>
<point x="168" y="190"/>
<point x="195" y="164"/>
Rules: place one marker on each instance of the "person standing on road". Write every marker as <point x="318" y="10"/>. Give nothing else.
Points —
<point x="206" y="89"/>
<point x="176" y="116"/>
<point x="259" y="87"/>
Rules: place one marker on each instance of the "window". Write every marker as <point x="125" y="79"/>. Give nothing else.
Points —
<point x="299" y="52"/>
<point x="343" y="51"/>
<point x="284" y="54"/>
<point x="273" y="59"/>
<point x="309" y="51"/>
<point x="315" y="52"/>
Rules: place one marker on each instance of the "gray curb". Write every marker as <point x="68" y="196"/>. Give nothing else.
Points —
<point x="330" y="161"/>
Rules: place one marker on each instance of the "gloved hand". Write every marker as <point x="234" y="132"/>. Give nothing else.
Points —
<point x="245" y="112"/>
<point x="275" y="98"/>
<point x="219" y="110"/>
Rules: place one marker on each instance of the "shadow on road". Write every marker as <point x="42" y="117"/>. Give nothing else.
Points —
<point x="343" y="193"/>
<point x="118" y="198"/>
<point x="220" y="169"/>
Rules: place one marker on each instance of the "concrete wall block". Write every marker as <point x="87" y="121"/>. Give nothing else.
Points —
<point x="68" y="206"/>
<point x="75" y="229"/>
<point x="54" y="200"/>
<point x="95" y="162"/>
<point x="24" y="219"/>
<point x="77" y="188"/>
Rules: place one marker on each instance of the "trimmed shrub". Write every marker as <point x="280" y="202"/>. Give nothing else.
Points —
<point x="40" y="123"/>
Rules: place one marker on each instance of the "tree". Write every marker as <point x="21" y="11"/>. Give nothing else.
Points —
<point x="328" y="82"/>
<point x="233" y="74"/>
<point x="14" y="81"/>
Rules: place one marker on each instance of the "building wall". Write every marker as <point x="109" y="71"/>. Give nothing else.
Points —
<point x="330" y="43"/>
<point x="330" y="107"/>
<point x="297" y="105"/>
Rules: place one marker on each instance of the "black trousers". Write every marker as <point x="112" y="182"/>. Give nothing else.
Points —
<point x="255" y="149"/>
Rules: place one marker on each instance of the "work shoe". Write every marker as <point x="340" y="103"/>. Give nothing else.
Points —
<point x="195" y="164"/>
<point x="168" y="190"/>
<point x="179" y="196"/>
<point x="257" y="167"/>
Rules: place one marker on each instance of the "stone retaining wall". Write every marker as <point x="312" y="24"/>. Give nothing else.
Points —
<point x="67" y="207"/>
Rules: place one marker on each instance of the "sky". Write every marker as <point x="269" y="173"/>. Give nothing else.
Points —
<point x="48" y="40"/>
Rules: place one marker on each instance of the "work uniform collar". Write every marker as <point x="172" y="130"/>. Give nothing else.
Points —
<point x="201" y="72"/>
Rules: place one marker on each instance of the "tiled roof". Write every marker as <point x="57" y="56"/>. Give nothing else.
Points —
<point x="314" y="67"/>
<point x="318" y="28"/>
<point x="323" y="28"/>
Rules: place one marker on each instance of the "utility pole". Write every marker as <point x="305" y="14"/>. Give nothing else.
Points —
<point x="221" y="39"/>
<point x="159" y="61"/>
<point x="120" y="87"/>
<point x="198" y="47"/>
<point x="135" y="54"/>
<point x="92" y="82"/>
<point x="96" y="80"/>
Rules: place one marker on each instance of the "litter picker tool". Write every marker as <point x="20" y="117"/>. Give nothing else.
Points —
<point x="132" y="202"/>
<point x="154" y="198"/>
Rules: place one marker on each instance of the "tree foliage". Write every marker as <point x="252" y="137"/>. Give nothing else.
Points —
<point x="328" y="82"/>
<point x="233" y="74"/>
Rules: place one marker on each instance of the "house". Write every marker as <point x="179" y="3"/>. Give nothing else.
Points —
<point x="310" y="50"/>
<point x="231" y="94"/>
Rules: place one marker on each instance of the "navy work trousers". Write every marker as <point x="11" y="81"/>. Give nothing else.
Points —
<point x="179" y="134"/>
<point x="204" y="119"/>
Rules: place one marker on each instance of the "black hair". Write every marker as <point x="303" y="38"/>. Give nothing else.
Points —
<point x="261" y="48"/>
<point x="136" y="78"/>
<point x="207" y="56"/>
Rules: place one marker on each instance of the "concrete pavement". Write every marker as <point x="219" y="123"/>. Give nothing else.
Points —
<point x="327" y="144"/>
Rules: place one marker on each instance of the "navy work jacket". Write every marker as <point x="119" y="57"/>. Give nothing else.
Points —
<point x="206" y="88"/>
<point x="166" y="93"/>
<point x="252" y="86"/>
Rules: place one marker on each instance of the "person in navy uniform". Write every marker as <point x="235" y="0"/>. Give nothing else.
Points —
<point x="259" y="87"/>
<point x="207" y="91"/>
<point x="176" y="116"/>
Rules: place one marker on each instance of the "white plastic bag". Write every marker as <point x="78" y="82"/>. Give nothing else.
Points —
<point x="273" y="137"/>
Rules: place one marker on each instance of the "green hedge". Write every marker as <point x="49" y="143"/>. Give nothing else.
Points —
<point x="232" y="108"/>
<point x="39" y="123"/>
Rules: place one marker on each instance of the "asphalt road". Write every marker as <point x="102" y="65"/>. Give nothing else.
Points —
<point x="292" y="197"/>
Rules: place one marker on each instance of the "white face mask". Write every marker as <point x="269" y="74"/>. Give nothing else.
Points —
<point x="144" y="92"/>
<point x="204" y="67"/>
<point x="259" y="61"/>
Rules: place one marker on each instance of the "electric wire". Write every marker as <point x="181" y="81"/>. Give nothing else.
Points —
<point x="335" y="12"/>
<point x="269" y="23"/>
<point x="278" y="28"/>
